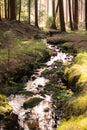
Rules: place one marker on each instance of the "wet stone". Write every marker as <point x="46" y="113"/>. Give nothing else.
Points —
<point x="33" y="77"/>
<point x="46" y="109"/>
<point x="32" y="102"/>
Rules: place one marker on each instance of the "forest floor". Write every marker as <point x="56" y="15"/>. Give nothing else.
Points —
<point x="75" y="40"/>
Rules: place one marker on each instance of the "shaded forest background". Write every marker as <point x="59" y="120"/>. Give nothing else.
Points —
<point x="47" y="13"/>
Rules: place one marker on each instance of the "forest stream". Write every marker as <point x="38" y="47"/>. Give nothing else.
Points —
<point x="40" y="115"/>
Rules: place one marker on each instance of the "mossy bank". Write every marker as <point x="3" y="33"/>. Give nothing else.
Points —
<point x="75" y="109"/>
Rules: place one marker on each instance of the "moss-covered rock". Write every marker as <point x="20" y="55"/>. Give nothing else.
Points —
<point x="76" y="106"/>
<point x="32" y="102"/>
<point x="74" y="123"/>
<point x="77" y="73"/>
<point x="4" y="106"/>
<point x="8" y="89"/>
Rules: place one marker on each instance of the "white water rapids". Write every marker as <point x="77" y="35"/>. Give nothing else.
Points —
<point x="41" y="116"/>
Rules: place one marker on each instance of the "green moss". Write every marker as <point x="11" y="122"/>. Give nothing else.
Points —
<point x="77" y="73"/>
<point x="27" y="93"/>
<point x="76" y="107"/>
<point x="8" y="89"/>
<point x="74" y="123"/>
<point x="31" y="47"/>
<point x="54" y="73"/>
<point x="4" y="107"/>
<point x="81" y="32"/>
<point x="81" y="58"/>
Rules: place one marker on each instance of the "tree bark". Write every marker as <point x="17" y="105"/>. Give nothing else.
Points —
<point x="86" y="14"/>
<point x="0" y="12"/>
<point x="53" y="13"/>
<point x="12" y="9"/>
<point x="61" y="14"/>
<point x="5" y="7"/>
<point x="19" y="10"/>
<point x="36" y="13"/>
<point x="8" y="9"/>
<point x="29" y="9"/>
<point x="75" y="14"/>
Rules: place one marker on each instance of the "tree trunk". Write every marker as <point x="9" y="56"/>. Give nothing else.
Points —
<point x="36" y="13"/>
<point x="12" y="9"/>
<point x="8" y="9"/>
<point x="61" y="13"/>
<point x="53" y="13"/>
<point x="19" y="10"/>
<point x="86" y="14"/>
<point x="75" y="14"/>
<point x="0" y="12"/>
<point x="29" y="9"/>
<point x="70" y="15"/>
<point x="5" y="7"/>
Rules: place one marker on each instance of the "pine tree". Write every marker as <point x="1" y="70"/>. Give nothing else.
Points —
<point x="86" y="14"/>
<point x="61" y="13"/>
<point x="36" y="13"/>
<point x="12" y="15"/>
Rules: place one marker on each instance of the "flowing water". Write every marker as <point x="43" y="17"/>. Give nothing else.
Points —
<point x="42" y="115"/>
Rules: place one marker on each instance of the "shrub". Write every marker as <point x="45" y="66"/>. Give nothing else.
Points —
<point x="49" y="21"/>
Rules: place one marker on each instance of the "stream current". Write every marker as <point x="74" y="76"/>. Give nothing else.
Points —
<point x="42" y="115"/>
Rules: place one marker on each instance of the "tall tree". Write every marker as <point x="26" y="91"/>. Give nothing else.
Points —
<point x="5" y="7"/>
<point x="70" y="15"/>
<point x="53" y="13"/>
<point x="0" y="10"/>
<point x="29" y="9"/>
<point x="86" y="14"/>
<point x="19" y="10"/>
<point x="8" y="9"/>
<point x="36" y="13"/>
<point x="12" y="10"/>
<point x="75" y="14"/>
<point x="61" y="14"/>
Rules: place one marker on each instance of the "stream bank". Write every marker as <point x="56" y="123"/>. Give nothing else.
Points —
<point x="75" y="109"/>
